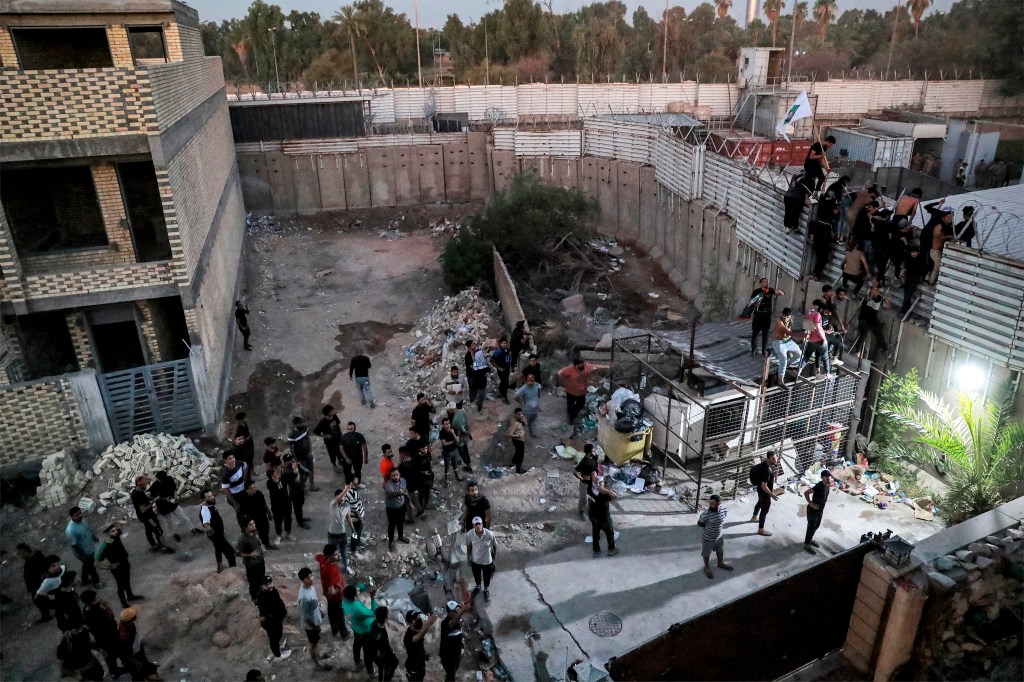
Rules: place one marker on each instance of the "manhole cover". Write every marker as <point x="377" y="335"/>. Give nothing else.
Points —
<point x="605" y="624"/>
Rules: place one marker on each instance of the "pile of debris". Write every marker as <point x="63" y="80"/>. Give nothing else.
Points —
<point x="441" y="340"/>
<point x="445" y="226"/>
<point x="60" y="478"/>
<point x="144" y="456"/>
<point x="261" y="224"/>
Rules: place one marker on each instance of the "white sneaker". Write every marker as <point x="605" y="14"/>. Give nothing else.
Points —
<point x="348" y="569"/>
<point x="285" y="654"/>
<point x="277" y="541"/>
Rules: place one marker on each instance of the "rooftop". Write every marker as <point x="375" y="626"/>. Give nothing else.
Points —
<point x="95" y="7"/>
<point x="999" y="219"/>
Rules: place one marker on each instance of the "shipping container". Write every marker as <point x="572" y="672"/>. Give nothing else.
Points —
<point x="869" y="148"/>
<point x="761" y="113"/>
<point x="758" y="151"/>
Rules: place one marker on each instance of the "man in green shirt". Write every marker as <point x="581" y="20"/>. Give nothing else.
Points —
<point x="360" y="617"/>
<point x="460" y="423"/>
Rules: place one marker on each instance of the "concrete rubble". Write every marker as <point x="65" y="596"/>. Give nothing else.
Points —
<point x="59" y="479"/>
<point x="444" y="227"/>
<point x="147" y="454"/>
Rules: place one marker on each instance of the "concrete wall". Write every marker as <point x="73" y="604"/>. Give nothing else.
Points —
<point x="511" y="310"/>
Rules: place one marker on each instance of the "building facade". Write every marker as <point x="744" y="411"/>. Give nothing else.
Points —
<point x="121" y="225"/>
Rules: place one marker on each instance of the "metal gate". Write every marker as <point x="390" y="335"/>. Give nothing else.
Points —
<point x="151" y="399"/>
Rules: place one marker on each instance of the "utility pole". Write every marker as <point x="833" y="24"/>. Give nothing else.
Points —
<point x="419" y="65"/>
<point x="487" y="58"/>
<point x="273" y="40"/>
<point x="792" y="37"/>
<point x="664" y="44"/>
<point x="892" y="43"/>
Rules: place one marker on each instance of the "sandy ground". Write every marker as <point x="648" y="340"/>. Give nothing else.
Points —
<point x="319" y="292"/>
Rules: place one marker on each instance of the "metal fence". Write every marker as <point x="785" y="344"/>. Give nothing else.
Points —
<point x="711" y="441"/>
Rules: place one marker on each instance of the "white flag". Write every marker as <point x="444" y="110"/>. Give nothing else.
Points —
<point x="801" y="108"/>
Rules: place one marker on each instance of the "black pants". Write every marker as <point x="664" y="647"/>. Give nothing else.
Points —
<point x="254" y="573"/>
<point x="333" y="451"/>
<point x="154" y="533"/>
<point x="123" y="577"/>
<point x="45" y="606"/>
<point x="599" y="525"/>
<point x="346" y="469"/>
<point x="263" y="529"/>
<point x="423" y="492"/>
<point x="246" y="332"/>
<point x="817" y="174"/>
<point x="450" y="662"/>
<point x="450" y="458"/>
<point x="503" y="375"/>
<point x="821" y="256"/>
<point x="415" y="671"/>
<point x="336" y="616"/>
<point x="396" y="519"/>
<point x="882" y="264"/>
<point x="760" y="323"/>
<point x="813" y="521"/>
<point x="876" y="330"/>
<point x="856" y="279"/>
<point x="793" y="208"/>
<point x="222" y="548"/>
<point x="89" y="574"/>
<point x="909" y="289"/>
<point x="363" y="643"/>
<point x="387" y="663"/>
<point x="282" y="517"/>
<point x="478" y="392"/>
<point x="297" y="503"/>
<point x="274" y="628"/>
<point x="573" y="405"/>
<point x="518" y="453"/>
<point x="357" y="469"/>
<point x="764" y="503"/>
<point x="357" y="531"/>
<point x="484" y="571"/>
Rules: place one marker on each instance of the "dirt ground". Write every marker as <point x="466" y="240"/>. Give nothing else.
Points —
<point x="320" y="290"/>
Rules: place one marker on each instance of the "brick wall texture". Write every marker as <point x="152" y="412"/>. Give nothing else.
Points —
<point x="80" y="339"/>
<point x="148" y="324"/>
<point x="191" y="42"/>
<point x="39" y="417"/>
<point x="177" y="88"/>
<point x="8" y="57"/>
<point x="120" y="49"/>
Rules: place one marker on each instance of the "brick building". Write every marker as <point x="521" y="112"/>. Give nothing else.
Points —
<point x="121" y="225"/>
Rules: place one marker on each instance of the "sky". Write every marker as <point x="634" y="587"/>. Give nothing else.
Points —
<point x="434" y="12"/>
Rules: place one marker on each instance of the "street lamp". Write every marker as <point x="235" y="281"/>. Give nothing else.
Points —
<point x="970" y="378"/>
<point x="273" y="41"/>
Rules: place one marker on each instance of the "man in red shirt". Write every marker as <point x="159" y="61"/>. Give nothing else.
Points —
<point x="574" y="380"/>
<point x="334" y="585"/>
<point x="816" y="340"/>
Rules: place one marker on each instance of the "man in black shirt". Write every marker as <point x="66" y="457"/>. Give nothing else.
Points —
<point x="359" y="369"/>
<point x="816" y="498"/>
<point x="415" y="652"/>
<point x="302" y="451"/>
<point x="272" y="614"/>
<point x="329" y="429"/>
<point x="353" y="445"/>
<point x="146" y="514"/>
<point x="867" y="320"/>
<point x="583" y="471"/>
<point x="245" y="449"/>
<point x="761" y="318"/>
<point x="421" y="415"/>
<point x="912" y="275"/>
<point x="254" y="505"/>
<point x="35" y="566"/>
<point x="822" y="234"/>
<point x="476" y="504"/>
<point x="601" y="497"/>
<point x="763" y="477"/>
<point x="815" y="163"/>
<point x="531" y="368"/>
<point x="409" y="471"/>
<point x="113" y="552"/>
<point x="213" y="524"/>
<point x="241" y="319"/>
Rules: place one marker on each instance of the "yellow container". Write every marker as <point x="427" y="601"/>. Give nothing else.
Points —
<point x="618" y="446"/>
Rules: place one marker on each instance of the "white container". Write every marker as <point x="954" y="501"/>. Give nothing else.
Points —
<point x="869" y="148"/>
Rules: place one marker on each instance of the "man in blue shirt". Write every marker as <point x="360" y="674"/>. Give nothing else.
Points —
<point x="528" y="396"/>
<point x="83" y="543"/>
<point x="501" y="358"/>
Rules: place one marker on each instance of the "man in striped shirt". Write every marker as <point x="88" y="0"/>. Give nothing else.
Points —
<point x="711" y="520"/>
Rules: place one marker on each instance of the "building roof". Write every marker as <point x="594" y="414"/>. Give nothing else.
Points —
<point x="94" y="7"/>
<point x="999" y="219"/>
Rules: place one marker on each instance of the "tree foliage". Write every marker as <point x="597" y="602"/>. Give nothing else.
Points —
<point x="525" y="223"/>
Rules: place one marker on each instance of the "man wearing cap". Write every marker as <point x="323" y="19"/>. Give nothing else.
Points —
<point x="83" y="544"/>
<point x="272" y="612"/>
<point x="451" y="645"/>
<point x="113" y="552"/>
<point x="333" y="585"/>
<point x="481" y="549"/>
<point x="711" y="520"/>
<point x="250" y="549"/>
<point x="214" y="526"/>
<point x="816" y="498"/>
<point x="310" y="615"/>
<point x="415" y="652"/>
<point x="360" y="618"/>
<point x="129" y="645"/>
<point x="146" y="513"/>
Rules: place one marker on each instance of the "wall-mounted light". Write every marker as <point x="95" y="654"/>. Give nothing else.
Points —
<point x="970" y="378"/>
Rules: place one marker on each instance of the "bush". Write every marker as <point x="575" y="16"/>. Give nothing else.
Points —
<point x="525" y="223"/>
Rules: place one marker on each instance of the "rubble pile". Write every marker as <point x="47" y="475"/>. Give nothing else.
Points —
<point x="444" y="227"/>
<point x="60" y="478"/>
<point x="972" y="625"/>
<point x="261" y="224"/>
<point x="146" y="454"/>
<point x="441" y="340"/>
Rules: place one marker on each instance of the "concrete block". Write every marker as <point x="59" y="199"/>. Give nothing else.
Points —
<point x="332" y="182"/>
<point x="430" y="164"/>
<point x="407" y="176"/>
<point x="381" y="164"/>
<point x="456" y="171"/>
<point x="980" y="548"/>
<point x="940" y="583"/>
<point x="281" y="177"/>
<point x="574" y="304"/>
<point x="356" y="176"/>
<point x="984" y="562"/>
<point x="478" y="162"/>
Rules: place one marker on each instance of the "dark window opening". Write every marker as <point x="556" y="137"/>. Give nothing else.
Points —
<point x="170" y="328"/>
<point x="145" y="211"/>
<point x="62" y="48"/>
<point x="147" y="44"/>
<point x="117" y="346"/>
<point x="46" y="345"/>
<point x="50" y="209"/>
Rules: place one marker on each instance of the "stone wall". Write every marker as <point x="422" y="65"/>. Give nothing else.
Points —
<point x="39" y="418"/>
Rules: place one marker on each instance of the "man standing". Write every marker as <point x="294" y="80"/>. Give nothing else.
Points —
<point x="310" y="616"/>
<point x="250" y="549"/>
<point x="272" y="614"/>
<point x="164" y="493"/>
<point x="360" y="619"/>
<point x="213" y="524"/>
<point x="338" y="525"/>
<point x="333" y="584"/>
<point x="519" y="342"/>
<point x="421" y="415"/>
<point x="481" y="548"/>
<point x="356" y="455"/>
<point x="449" y="449"/>
<point x="583" y="472"/>
<point x="396" y="496"/>
<point x="600" y="497"/>
<point x="501" y="359"/>
<point x="254" y="505"/>
<point x="868" y="321"/>
<point x="451" y="646"/>
<point x="762" y="299"/>
<point x="35" y="566"/>
<point x="245" y="448"/>
<point x="329" y="429"/>
<point x="816" y="498"/>
<point x="113" y="551"/>
<point x="460" y="423"/>
<point x="271" y="454"/>
<point x="415" y="651"/>
<point x="454" y="387"/>
<point x="241" y="319"/>
<point x="291" y="477"/>
<point x="48" y="585"/>
<point x="359" y="369"/>
<point x="358" y="512"/>
<point x="146" y="513"/>
<point x="783" y="343"/>
<point x="234" y="476"/>
<point x="816" y="346"/>
<point x="517" y="433"/>
<point x="711" y="520"/>
<point x="532" y="366"/>
<point x="941" y="234"/>
<point x="280" y="506"/>
<point x="83" y="544"/>
<point x="302" y="451"/>
<point x="815" y="163"/>
<point x="99" y="620"/>
<point x="822" y="235"/>
<point x="763" y="477"/>
<point x="475" y="505"/>
<point x="912" y="274"/>
<point x="408" y="472"/>
<point x="528" y="395"/>
<point x="387" y="462"/>
<point x="477" y="369"/>
<point x="574" y="380"/>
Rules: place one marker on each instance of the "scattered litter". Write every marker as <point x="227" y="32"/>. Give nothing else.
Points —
<point x="543" y="500"/>
<point x="590" y="538"/>
<point x="444" y="227"/>
<point x="743" y="499"/>
<point x="653" y="294"/>
<point x="554" y="473"/>
<point x="551" y="509"/>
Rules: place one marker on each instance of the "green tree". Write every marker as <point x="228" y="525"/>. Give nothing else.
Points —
<point x="521" y="30"/>
<point x="917" y="8"/>
<point x="824" y="14"/>
<point x="772" y="10"/>
<point x="723" y="7"/>
<point x="350" y="27"/>
<point x="599" y="39"/>
<point x="979" y="444"/>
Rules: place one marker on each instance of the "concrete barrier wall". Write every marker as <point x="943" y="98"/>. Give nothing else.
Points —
<point x="511" y="310"/>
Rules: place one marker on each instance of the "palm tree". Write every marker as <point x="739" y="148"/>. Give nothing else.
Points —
<point x="917" y="8"/>
<point x="799" y="13"/>
<point x="978" y="443"/>
<point x="824" y="13"/>
<point x="348" y="22"/>
<point x="723" y="8"/>
<point x="772" y="10"/>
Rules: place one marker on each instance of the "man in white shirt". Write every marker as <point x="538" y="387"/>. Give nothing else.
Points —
<point x="455" y="387"/>
<point x="481" y="548"/>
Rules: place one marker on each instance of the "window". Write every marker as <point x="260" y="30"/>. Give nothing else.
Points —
<point x="147" y="43"/>
<point x="145" y="210"/>
<point x="50" y="209"/>
<point x="62" y="48"/>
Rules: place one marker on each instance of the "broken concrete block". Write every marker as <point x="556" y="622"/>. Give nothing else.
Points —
<point x="574" y="304"/>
